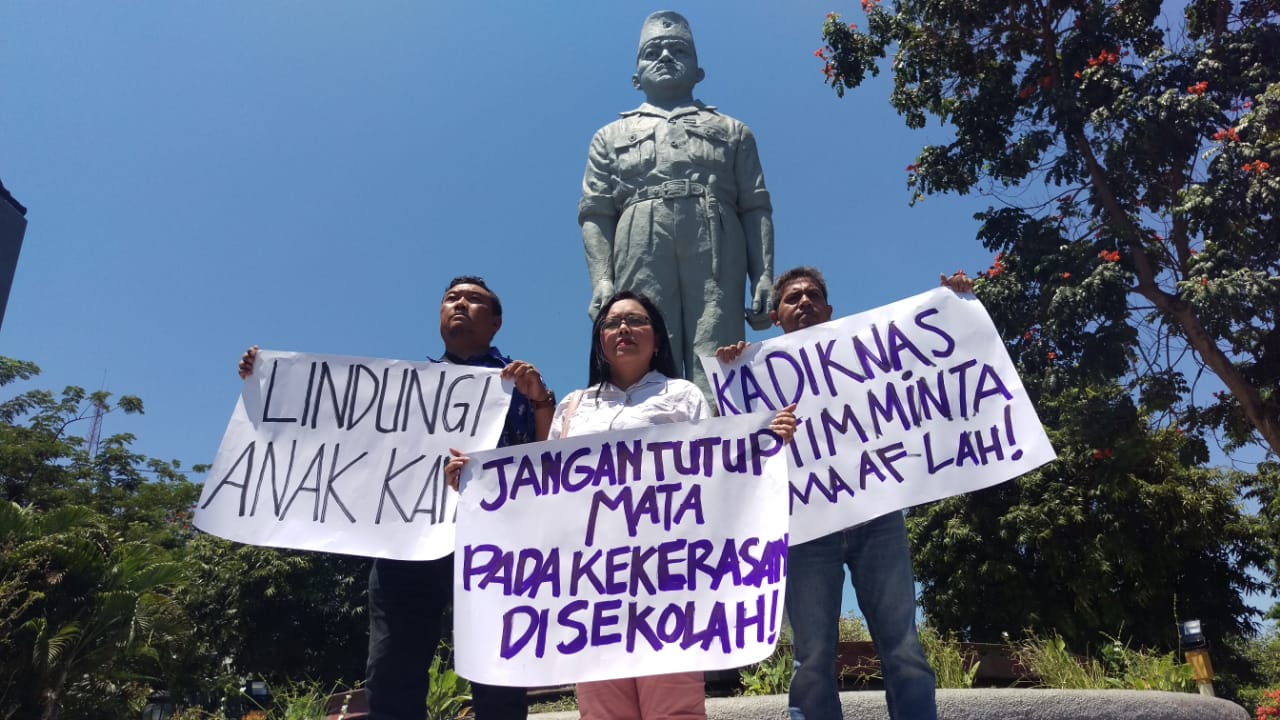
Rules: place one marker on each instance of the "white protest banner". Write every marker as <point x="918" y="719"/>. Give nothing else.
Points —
<point x="346" y="455"/>
<point x="622" y="554"/>
<point x="911" y="402"/>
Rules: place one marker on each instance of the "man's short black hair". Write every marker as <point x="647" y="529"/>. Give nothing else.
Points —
<point x="478" y="281"/>
<point x="794" y="274"/>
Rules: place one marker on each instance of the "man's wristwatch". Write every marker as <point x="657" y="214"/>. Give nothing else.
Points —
<point x="547" y="402"/>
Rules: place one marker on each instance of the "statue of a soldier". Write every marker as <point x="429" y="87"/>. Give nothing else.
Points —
<point x="674" y="204"/>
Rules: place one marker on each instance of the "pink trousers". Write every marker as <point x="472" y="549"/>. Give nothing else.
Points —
<point x="678" y="696"/>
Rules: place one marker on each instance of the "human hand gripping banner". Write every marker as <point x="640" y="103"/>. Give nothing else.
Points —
<point x="911" y="402"/>
<point x="621" y="554"/>
<point x="347" y="455"/>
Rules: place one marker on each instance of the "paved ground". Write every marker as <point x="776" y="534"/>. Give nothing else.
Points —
<point x="995" y="705"/>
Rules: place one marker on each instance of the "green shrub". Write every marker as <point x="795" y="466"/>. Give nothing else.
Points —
<point x="853" y="629"/>
<point x="953" y="667"/>
<point x="299" y="700"/>
<point x="1145" y="669"/>
<point x="772" y="676"/>
<point x="450" y="693"/>
<point x="1057" y="667"/>
<point x="1263" y="655"/>
<point x="1120" y="667"/>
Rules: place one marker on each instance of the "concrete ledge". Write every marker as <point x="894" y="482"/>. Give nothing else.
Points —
<point x="996" y="705"/>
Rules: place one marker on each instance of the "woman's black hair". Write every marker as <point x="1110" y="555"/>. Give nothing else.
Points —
<point x="662" y="361"/>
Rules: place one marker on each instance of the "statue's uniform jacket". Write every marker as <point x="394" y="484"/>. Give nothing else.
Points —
<point x="687" y="252"/>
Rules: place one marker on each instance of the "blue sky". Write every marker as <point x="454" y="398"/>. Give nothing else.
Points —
<point x="308" y="176"/>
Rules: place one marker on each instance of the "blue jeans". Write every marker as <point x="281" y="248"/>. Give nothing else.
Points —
<point x="407" y="601"/>
<point x="879" y="561"/>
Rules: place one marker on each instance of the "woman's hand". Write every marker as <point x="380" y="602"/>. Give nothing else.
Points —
<point x="453" y="468"/>
<point x="784" y="423"/>
<point x="246" y="362"/>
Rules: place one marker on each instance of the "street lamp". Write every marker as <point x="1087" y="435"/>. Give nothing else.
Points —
<point x="1195" y="648"/>
<point x="260" y="696"/>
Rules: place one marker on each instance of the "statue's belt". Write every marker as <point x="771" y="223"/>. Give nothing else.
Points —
<point x="668" y="189"/>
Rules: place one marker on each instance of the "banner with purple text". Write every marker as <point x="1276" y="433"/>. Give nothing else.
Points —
<point x="911" y="402"/>
<point x="627" y="553"/>
<point x="346" y="455"/>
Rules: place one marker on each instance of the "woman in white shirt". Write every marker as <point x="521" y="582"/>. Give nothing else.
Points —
<point x="631" y="376"/>
<point x="633" y="384"/>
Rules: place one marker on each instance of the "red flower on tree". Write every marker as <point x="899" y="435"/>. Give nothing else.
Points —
<point x="1228" y="134"/>
<point x="1257" y="167"/>
<point x="997" y="267"/>
<point x="1105" y="57"/>
<point x="1110" y="256"/>
<point x="1269" y="706"/>
<point x="1198" y="88"/>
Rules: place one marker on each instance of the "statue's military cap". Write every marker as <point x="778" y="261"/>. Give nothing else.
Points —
<point x="665" y="24"/>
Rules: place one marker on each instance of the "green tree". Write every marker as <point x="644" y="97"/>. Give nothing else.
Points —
<point x="1128" y="531"/>
<point x="1264" y="489"/>
<point x="220" y="612"/>
<point x="1113" y="144"/>
<point x="276" y="614"/>
<point x="83" y="612"/>
<point x="1119" y="536"/>
<point x="45" y="464"/>
<point x="87" y="567"/>
<point x="1130" y="167"/>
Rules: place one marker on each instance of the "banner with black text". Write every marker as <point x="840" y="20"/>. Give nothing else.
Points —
<point x="346" y="455"/>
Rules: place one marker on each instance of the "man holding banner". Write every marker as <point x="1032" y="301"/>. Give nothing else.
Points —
<point x="875" y="552"/>
<point x="408" y="598"/>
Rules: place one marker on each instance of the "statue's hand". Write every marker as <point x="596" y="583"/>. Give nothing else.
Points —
<point x="761" y="301"/>
<point x="600" y="294"/>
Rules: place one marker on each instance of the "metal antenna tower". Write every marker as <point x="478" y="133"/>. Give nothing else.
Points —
<point x="95" y="428"/>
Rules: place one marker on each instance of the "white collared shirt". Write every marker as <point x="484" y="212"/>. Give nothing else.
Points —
<point x="653" y="400"/>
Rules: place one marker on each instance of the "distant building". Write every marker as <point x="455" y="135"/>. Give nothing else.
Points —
<point x="13" y="225"/>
